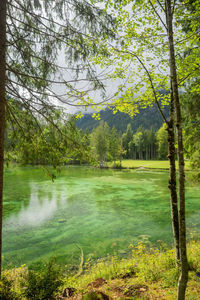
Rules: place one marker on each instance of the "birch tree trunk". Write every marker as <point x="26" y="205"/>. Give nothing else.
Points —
<point x="182" y="284"/>
<point x="2" y="107"/>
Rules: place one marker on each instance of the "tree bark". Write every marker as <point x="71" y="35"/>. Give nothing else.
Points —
<point x="172" y="180"/>
<point x="182" y="284"/>
<point x="2" y="107"/>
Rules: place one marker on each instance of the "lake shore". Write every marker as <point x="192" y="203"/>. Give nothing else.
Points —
<point x="149" y="273"/>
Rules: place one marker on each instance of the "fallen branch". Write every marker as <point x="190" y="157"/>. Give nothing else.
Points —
<point x="80" y="271"/>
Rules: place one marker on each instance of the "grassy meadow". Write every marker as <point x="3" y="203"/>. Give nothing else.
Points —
<point x="148" y="164"/>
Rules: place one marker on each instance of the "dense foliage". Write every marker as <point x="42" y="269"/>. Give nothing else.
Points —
<point x="45" y="143"/>
<point x="191" y="117"/>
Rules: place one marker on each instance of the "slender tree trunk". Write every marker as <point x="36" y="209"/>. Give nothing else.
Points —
<point x="2" y="107"/>
<point x="172" y="181"/>
<point x="182" y="226"/>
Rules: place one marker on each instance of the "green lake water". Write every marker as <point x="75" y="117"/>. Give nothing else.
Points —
<point x="102" y="211"/>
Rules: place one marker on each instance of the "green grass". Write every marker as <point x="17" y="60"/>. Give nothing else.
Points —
<point x="149" y="164"/>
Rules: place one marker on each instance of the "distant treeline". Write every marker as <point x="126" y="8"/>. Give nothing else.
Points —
<point x="109" y="145"/>
<point x="45" y="145"/>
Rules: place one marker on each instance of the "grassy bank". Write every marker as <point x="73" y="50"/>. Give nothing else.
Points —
<point x="148" y="164"/>
<point x="148" y="274"/>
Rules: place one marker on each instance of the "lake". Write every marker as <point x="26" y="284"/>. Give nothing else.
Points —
<point x="101" y="211"/>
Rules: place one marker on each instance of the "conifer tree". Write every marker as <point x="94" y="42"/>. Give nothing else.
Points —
<point x="38" y="41"/>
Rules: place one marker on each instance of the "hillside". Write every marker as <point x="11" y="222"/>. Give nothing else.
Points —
<point x="149" y="117"/>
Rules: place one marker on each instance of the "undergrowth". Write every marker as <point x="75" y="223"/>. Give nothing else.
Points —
<point x="154" y="270"/>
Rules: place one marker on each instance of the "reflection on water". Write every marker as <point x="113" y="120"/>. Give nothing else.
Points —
<point x="37" y="211"/>
<point x="103" y="211"/>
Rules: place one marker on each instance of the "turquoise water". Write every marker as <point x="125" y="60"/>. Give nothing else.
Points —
<point x="102" y="211"/>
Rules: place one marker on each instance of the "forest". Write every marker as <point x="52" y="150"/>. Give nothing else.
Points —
<point x="135" y="65"/>
<point x="101" y="145"/>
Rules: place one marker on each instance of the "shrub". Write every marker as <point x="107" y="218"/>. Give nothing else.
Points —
<point x="44" y="284"/>
<point x="6" y="289"/>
